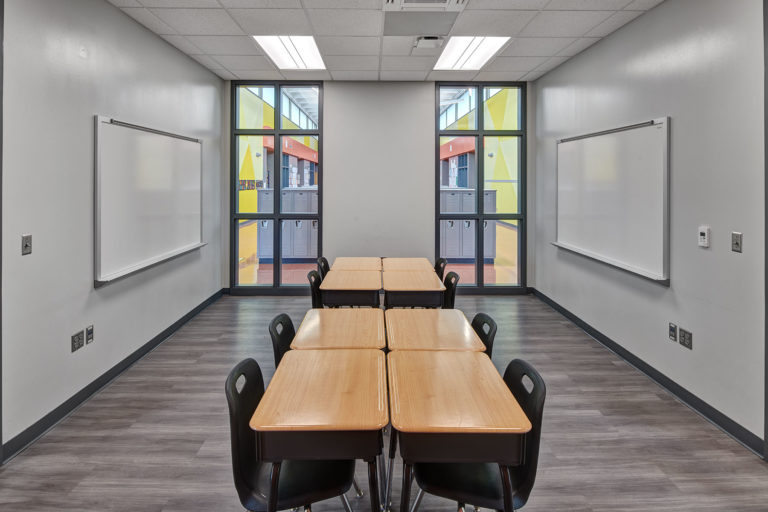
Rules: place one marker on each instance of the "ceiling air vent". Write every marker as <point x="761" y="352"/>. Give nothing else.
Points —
<point x="425" y="5"/>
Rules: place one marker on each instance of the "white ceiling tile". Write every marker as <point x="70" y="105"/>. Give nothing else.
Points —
<point x="403" y="75"/>
<point x="499" y="76"/>
<point x="533" y="75"/>
<point x="515" y="63"/>
<point x="226" y="45"/>
<point x="206" y="61"/>
<point x="536" y="46"/>
<point x="262" y="4"/>
<point x="643" y="5"/>
<point x="564" y="23"/>
<point x="272" y="22"/>
<point x="149" y="20"/>
<point x="252" y="62"/>
<point x="578" y="46"/>
<point x="183" y="44"/>
<point x="355" y="75"/>
<point x="551" y="64"/>
<point x="491" y="23"/>
<point x="249" y="74"/>
<point x="507" y="4"/>
<point x="306" y="74"/>
<point x="199" y="21"/>
<point x="348" y="45"/>
<point x="418" y="23"/>
<point x="397" y="63"/>
<point x="226" y="75"/>
<point x="587" y="5"/>
<point x="333" y="22"/>
<point x="451" y="76"/>
<point x="397" y="45"/>
<point x="352" y="62"/>
<point x="616" y="21"/>
<point x="343" y="4"/>
<point x="206" y="4"/>
<point x="125" y="3"/>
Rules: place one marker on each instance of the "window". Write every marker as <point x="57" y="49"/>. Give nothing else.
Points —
<point x="276" y="185"/>
<point x="480" y="222"/>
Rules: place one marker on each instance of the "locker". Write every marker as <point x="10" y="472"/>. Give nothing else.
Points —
<point x="266" y="200"/>
<point x="313" y="201"/>
<point x="489" y="201"/>
<point x="467" y="238"/>
<point x="442" y="202"/>
<point x="468" y="201"/>
<point x="286" y="201"/>
<point x="452" y="202"/>
<point x="452" y="238"/>
<point x="489" y="239"/>
<point x="300" y="201"/>
<point x="265" y="241"/>
<point x="287" y="239"/>
<point x="313" y="238"/>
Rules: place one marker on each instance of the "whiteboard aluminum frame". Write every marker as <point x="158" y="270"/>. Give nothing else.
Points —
<point x="99" y="279"/>
<point x="663" y="278"/>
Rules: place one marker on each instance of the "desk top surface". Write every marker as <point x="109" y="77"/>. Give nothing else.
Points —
<point x="341" y="328"/>
<point x="407" y="264"/>
<point x="355" y="263"/>
<point x="412" y="281"/>
<point x="451" y="392"/>
<point x="325" y="390"/>
<point x="340" y="280"/>
<point x="430" y="329"/>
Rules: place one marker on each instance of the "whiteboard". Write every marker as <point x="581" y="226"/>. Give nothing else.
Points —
<point x="612" y="197"/>
<point x="148" y="197"/>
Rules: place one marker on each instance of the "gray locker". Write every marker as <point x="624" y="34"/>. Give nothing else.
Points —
<point x="489" y="239"/>
<point x="300" y="201"/>
<point x="468" y="201"/>
<point x="266" y="200"/>
<point x="313" y="237"/>
<point x="265" y="241"/>
<point x="313" y="202"/>
<point x="287" y="238"/>
<point x="452" y="238"/>
<point x="452" y="201"/>
<point x="301" y="234"/>
<point x="467" y="238"/>
<point x="489" y="201"/>
<point x="286" y="201"/>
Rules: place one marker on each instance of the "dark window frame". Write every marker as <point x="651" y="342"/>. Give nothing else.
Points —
<point x="276" y="216"/>
<point x="479" y="216"/>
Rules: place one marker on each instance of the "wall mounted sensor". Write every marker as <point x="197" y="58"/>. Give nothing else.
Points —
<point x="704" y="236"/>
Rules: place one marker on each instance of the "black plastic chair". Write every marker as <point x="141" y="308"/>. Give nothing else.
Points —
<point x="322" y="266"/>
<point x="485" y="327"/>
<point x="314" y="287"/>
<point x="282" y="333"/>
<point x="449" y="297"/>
<point x="301" y="483"/>
<point x="480" y="484"/>
<point x="440" y="264"/>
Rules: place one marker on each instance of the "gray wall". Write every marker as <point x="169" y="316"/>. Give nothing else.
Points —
<point x="379" y="169"/>
<point x="700" y="62"/>
<point x="65" y="62"/>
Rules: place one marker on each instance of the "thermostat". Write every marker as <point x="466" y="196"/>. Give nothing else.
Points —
<point x="703" y="236"/>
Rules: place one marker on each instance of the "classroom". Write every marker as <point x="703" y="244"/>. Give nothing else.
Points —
<point x="383" y="255"/>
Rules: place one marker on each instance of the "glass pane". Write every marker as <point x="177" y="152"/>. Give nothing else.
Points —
<point x="299" y="240"/>
<point x="254" y="252"/>
<point x="501" y="169"/>
<point x="299" y="173"/>
<point x="457" y="245"/>
<point x="501" y="108"/>
<point x="458" y="175"/>
<point x="458" y="108"/>
<point x="256" y="107"/>
<point x="297" y="102"/>
<point x="500" y="252"/>
<point x="255" y="193"/>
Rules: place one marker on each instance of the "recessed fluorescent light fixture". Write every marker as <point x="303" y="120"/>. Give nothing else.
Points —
<point x="292" y="52"/>
<point x="469" y="53"/>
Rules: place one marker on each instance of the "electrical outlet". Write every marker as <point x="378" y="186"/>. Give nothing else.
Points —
<point x="78" y="340"/>
<point x="686" y="339"/>
<point x="26" y="244"/>
<point x="672" y="331"/>
<point x="736" y="239"/>
<point x="89" y="335"/>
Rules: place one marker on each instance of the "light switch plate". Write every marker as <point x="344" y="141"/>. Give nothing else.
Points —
<point x="704" y="236"/>
<point x="26" y="244"/>
<point x="736" y="241"/>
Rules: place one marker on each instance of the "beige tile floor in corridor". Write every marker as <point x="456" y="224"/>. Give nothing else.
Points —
<point x="157" y="438"/>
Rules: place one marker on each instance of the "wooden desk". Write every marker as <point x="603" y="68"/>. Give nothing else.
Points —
<point x="350" y="263"/>
<point x="408" y="288"/>
<point x="351" y="288"/>
<point x="407" y="264"/>
<point x="430" y="329"/>
<point x="341" y="328"/>
<point x="451" y="407"/>
<point x="324" y="405"/>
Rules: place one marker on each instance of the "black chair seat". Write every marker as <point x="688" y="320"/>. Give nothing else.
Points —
<point x="476" y="484"/>
<point x="301" y="482"/>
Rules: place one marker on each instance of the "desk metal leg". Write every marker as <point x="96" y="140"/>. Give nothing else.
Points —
<point x="506" y="483"/>
<point x="273" y="487"/>
<point x="391" y="469"/>
<point x="382" y="480"/>
<point x="405" y="495"/>
<point x="373" y="484"/>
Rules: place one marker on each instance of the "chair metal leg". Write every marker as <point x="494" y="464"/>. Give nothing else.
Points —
<point x="417" y="502"/>
<point x="345" y="503"/>
<point x="405" y="494"/>
<point x="460" y="507"/>
<point x="506" y="482"/>
<point x="358" y="492"/>
<point x="382" y="480"/>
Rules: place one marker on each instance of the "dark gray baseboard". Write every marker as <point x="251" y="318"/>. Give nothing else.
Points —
<point x="15" y="445"/>
<point x="730" y="427"/>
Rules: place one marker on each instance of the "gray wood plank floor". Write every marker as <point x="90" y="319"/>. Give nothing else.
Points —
<point x="157" y="439"/>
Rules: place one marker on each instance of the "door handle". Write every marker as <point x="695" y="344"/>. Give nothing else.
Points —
<point x="298" y="223"/>
<point x="450" y="224"/>
<point x="264" y="223"/>
<point x="467" y="224"/>
<point x="485" y="224"/>
<point x="314" y="224"/>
